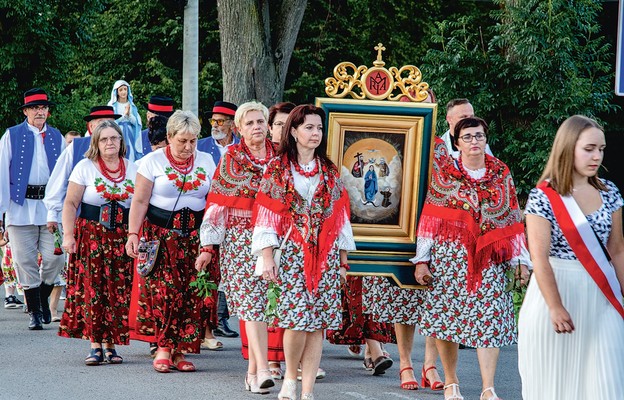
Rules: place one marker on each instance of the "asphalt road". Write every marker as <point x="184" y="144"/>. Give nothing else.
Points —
<point x="41" y="365"/>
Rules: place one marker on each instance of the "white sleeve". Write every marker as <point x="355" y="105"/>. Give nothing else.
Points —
<point x="263" y="237"/>
<point x="146" y="168"/>
<point x="345" y="238"/>
<point x="212" y="232"/>
<point x="523" y="258"/>
<point x="56" y="188"/>
<point x="423" y="250"/>
<point x="78" y="175"/>
<point x="5" y="177"/>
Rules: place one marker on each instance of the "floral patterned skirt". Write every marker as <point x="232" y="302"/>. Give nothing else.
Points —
<point x="391" y="304"/>
<point x="357" y="326"/>
<point x="170" y="302"/>
<point x="98" y="286"/>
<point x="481" y="319"/>
<point x="246" y="294"/>
<point x="297" y="308"/>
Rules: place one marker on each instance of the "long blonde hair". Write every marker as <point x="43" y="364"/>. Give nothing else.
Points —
<point x="560" y="166"/>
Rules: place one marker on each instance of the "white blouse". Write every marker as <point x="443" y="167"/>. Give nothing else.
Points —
<point x="100" y="190"/>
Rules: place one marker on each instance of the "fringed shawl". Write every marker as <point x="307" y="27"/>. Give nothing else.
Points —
<point x="481" y="214"/>
<point x="236" y="180"/>
<point x="316" y="225"/>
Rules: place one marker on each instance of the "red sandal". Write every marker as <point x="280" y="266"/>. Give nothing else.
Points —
<point x="408" y="385"/>
<point x="183" y="365"/>
<point x="162" y="365"/>
<point x="435" y="385"/>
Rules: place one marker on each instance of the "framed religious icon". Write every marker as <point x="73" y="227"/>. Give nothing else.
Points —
<point x="382" y="147"/>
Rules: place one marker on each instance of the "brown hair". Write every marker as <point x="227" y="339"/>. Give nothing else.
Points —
<point x="94" y="151"/>
<point x="456" y="102"/>
<point x="560" y="166"/>
<point x="470" y="122"/>
<point x="295" y="119"/>
<point x="284" y="108"/>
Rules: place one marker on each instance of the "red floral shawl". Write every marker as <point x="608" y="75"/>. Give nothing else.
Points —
<point x="483" y="214"/>
<point x="316" y="225"/>
<point x="236" y="180"/>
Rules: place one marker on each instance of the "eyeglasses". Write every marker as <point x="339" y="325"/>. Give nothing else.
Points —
<point x="112" y="139"/>
<point x="278" y="124"/>
<point x="468" y="138"/>
<point x="219" y="122"/>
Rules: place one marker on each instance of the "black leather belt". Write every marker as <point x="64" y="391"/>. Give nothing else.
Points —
<point x="110" y="215"/>
<point x="182" y="221"/>
<point x="35" y="192"/>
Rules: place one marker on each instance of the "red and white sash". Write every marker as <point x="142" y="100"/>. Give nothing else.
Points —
<point x="585" y="245"/>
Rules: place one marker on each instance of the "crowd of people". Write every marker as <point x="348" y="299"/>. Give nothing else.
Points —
<point x="158" y="235"/>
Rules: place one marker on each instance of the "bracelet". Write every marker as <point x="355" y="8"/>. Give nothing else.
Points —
<point x="132" y="233"/>
<point x="208" y="250"/>
<point x="345" y="266"/>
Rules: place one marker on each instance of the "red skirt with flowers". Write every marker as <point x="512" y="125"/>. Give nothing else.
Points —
<point x="98" y="285"/>
<point x="357" y="326"/>
<point x="275" y="342"/>
<point x="172" y="304"/>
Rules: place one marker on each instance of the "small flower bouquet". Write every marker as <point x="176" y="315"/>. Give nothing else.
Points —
<point x="516" y="287"/>
<point x="273" y="294"/>
<point x="204" y="287"/>
<point x="58" y="242"/>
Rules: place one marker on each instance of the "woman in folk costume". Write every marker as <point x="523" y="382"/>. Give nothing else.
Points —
<point x="301" y="193"/>
<point x="571" y="327"/>
<point x="227" y="222"/>
<point x="470" y="234"/>
<point x="99" y="271"/>
<point x="168" y="205"/>
<point x="130" y="121"/>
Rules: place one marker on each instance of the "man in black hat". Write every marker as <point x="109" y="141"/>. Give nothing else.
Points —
<point x="28" y="153"/>
<point x="158" y="105"/>
<point x="75" y="151"/>
<point x="222" y="133"/>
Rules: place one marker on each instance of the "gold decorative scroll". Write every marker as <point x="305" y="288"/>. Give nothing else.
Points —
<point x="377" y="82"/>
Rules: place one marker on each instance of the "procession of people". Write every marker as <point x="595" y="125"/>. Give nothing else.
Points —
<point x="160" y="235"/>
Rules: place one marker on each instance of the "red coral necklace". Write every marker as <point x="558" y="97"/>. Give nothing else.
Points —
<point x="107" y="172"/>
<point x="252" y="158"/>
<point x="183" y="167"/>
<point x="310" y="174"/>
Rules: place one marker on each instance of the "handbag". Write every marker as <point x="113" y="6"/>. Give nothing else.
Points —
<point x="277" y="255"/>
<point x="148" y="252"/>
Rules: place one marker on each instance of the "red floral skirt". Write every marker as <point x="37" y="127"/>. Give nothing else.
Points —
<point x="172" y="309"/>
<point x="357" y="326"/>
<point x="98" y="285"/>
<point x="276" y="342"/>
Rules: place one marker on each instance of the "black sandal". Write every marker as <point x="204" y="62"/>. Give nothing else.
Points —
<point x="95" y="357"/>
<point x="112" y="357"/>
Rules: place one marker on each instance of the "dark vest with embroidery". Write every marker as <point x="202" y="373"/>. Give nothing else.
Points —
<point x="81" y="145"/>
<point x="208" y="145"/>
<point x="23" y="150"/>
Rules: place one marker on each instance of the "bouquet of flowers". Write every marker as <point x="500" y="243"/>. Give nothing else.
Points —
<point x="204" y="286"/>
<point x="58" y="242"/>
<point x="273" y="294"/>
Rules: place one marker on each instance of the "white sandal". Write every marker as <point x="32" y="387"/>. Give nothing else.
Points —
<point x="456" y="395"/>
<point x="493" y="397"/>
<point x="289" y="390"/>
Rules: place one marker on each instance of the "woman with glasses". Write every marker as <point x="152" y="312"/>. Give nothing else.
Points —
<point x="470" y="234"/>
<point x="99" y="272"/>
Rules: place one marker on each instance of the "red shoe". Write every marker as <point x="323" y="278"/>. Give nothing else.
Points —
<point x="162" y="365"/>
<point x="183" y="365"/>
<point x="436" y="385"/>
<point x="408" y="385"/>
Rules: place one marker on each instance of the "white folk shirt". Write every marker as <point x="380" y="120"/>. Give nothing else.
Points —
<point x="57" y="185"/>
<point x="33" y="212"/>
<point x="156" y="168"/>
<point x="87" y="175"/>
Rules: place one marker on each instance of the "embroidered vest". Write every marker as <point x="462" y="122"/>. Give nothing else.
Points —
<point x="208" y="145"/>
<point x="23" y="150"/>
<point x="81" y="145"/>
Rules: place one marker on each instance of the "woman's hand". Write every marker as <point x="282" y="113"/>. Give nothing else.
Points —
<point x="69" y="244"/>
<point x="52" y="226"/>
<point x="132" y="246"/>
<point x="561" y="320"/>
<point x="422" y="274"/>
<point x="269" y="272"/>
<point x="202" y="261"/>
<point x="522" y="273"/>
<point x="343" y="275"/>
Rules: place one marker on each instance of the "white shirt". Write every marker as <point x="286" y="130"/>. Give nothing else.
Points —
<point x="96" y="185"/>
<point x="57" y="185"/>
<point x="156" y="168"/>
<point x="33" y="212"/>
